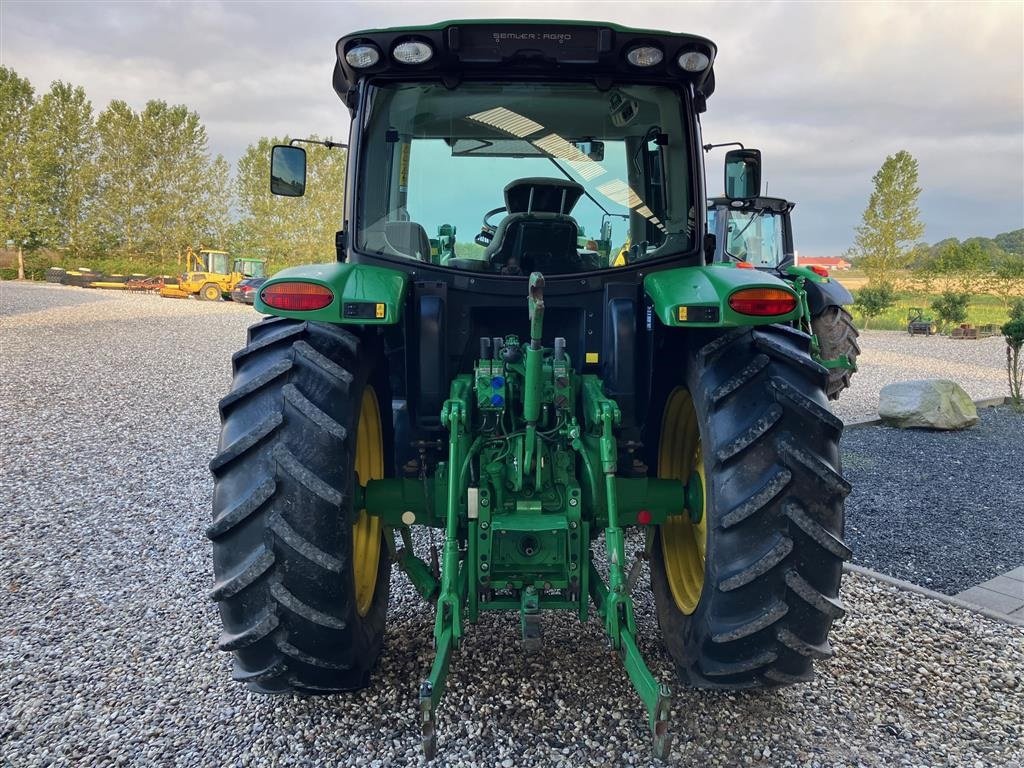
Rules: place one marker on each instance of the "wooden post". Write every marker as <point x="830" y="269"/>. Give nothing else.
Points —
<point x="21" y="265"/>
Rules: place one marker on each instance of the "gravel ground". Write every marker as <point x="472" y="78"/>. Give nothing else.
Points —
<point x="107" y="639"/>
<point x="890" y="356"/>
<point x="939" y="509"/>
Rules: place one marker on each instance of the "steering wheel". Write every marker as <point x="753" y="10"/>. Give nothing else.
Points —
<point x="488" y="229"/>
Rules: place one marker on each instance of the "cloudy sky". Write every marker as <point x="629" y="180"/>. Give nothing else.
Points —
<point x="826" y="90"/>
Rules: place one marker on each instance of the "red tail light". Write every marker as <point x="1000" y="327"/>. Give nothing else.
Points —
<point x="763" y="301"/>
<point x="819" y="270"/>
<point x="297" y="297"/>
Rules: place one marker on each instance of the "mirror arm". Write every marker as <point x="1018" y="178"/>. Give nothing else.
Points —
<point x="709" y="147"/>
<point x="328" y="144"/>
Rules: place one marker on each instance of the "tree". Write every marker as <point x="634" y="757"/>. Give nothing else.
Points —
<point x="962" y="266"/>
<point x="1008" y="277"/>
<point x="160" y="190"/>
<point x="951" y="307"/>
<point x="891" y="223"/>
<point x="61" y="159"/>
<point x="1013" y="332"/>
<point x="289" y="230"/>
<point x="16" y="99"/>
<point x="873" y="300"/>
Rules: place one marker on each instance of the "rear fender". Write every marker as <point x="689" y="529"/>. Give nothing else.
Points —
<point x="363" y="294"/>
<point x="698" y="297"/>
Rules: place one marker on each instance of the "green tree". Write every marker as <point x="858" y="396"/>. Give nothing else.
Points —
<point x="160" y="190"/>
<point x="1013" y="332"/>
<point x="891" y="222"/>
<point x="1011" y="242"/>
<point x="61" y="158"/>
<point x="285" y="230"/>
<point x="1008" y="277"/>
<point x="16" y="99"/>
<point x="964" y="266"/>
<point x="951" y="307"/>
<point x="873" y="300"/>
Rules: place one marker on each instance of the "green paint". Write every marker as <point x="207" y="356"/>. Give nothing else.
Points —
<point x="351" y="284"/>
<point x="709" y="287"/>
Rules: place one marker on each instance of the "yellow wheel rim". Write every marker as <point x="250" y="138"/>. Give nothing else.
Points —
<point x="366" y="530"/>
<point x="212" y="293"/>
<point x="682" y="542"/>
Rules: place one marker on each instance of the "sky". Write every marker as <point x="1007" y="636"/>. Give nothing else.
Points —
<point x="825" y="90"/>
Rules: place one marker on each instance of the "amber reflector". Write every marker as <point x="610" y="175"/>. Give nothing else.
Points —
<point x="763" y="301"/>
<point x="297" y="297"/>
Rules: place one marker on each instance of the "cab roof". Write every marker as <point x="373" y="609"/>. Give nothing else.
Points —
<point x="526" y="49"/>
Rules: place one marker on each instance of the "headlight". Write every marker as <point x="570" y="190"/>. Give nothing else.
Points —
<point x="693" y="61"/>
<point x="362" y="56"/>
<point x="412" y="52"/>
<point x="644" y="56"/>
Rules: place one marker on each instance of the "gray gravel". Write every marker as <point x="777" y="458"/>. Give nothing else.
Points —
<point x="939" y="509"/>
<point x="890" y="356"/>
<point x="107" y="640"/>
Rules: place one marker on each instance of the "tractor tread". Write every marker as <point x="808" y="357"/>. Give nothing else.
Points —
<point x="306" y="548"/>
<point x="810" y="650"/>
<point x="717" y="345"/>
<point x="306" y="611"/>
<point x="282" y="525"/>
<point x="250" y="569"/>
<point x="308" y="408"/>
<point x="324" y="364"/>
<point x="713" y="668"/>
<point x="780" y="351"/>
<point x="822" y="603"/>
<point x="837" y="335"/>
<point x="768" y="616"/>
<point x="268" y="672"/>
<point x="751" y="434"/>
<point x="780" y="549"/>
<point x="265" y="624"/>
<point x="258" y="344"/>
<point x="776" y="675"/>
<point x="301" y="474"/>
<point x="757" y="501"/>
<point x="753" y="368"/>
<point x="292" y="652"/>
<point x="246" y="443"/>
<point x="801" y="401"/>
<point x="241" y="511"/>
<point x="775" y="512"/>
<point x="264" y="378"/>
<point x="816" y="531"/>
<point x="829" y="478"/>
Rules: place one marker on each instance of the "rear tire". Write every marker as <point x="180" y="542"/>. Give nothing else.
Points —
<point x="773" y="551"/>
<point x="837" y="335"/>
<point x="299" y="612"/>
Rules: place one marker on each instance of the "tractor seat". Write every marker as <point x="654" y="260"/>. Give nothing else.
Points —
<point x="538" y="233"/>
<point x="399" y="238"/>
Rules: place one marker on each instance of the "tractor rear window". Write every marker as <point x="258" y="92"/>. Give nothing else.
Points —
<point x="512" y="178"/>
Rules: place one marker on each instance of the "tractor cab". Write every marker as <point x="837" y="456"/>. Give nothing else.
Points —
<point x="754" y="230"/>
<point x="250" y="267"/>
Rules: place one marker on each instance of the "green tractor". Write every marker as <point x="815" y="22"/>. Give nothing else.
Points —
<point x="531" y="402"/>
<point x="758" y="231"/>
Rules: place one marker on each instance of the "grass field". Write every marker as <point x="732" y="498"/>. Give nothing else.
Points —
<point x="981" y="311"/>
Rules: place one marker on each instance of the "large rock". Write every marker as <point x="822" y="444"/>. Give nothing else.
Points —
<point x="928" y="404"/>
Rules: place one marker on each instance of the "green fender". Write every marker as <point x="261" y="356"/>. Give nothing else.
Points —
<point x="698" y="297"/>
<point x="363" y="294"/>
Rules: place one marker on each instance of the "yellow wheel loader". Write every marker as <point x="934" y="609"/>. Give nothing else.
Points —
<point x="208" y="276"/>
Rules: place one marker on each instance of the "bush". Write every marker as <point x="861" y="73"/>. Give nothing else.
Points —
<point x="1013" y="332"/>
<point x="873" y="300"/>
<point x="951" y="307"/>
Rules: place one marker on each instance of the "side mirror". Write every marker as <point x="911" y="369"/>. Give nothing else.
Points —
<point x="288" y="170"/>
<point x="742" y="173"/>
